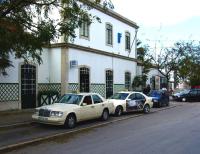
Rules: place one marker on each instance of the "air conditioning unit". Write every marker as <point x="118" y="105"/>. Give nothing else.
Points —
<point x="73" y="63"/>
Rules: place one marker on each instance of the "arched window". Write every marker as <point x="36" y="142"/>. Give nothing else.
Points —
<point x="109" y="34"/>
<point x="109" y="83"/>
<point x="127" y="80"/>
<point x="84" y="79"/>
<point x="127" y="41"/>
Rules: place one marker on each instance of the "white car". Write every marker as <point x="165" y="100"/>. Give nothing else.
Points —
<point x="127" y="101"/>
<point x="73" y="108"/>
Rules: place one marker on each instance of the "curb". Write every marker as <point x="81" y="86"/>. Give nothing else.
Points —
<point x="40" y="139"/>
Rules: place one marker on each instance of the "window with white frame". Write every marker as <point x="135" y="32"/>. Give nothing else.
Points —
<point x="109" y="34"/>
<point x="85" y="29"/>
<point x="127" y="41"/>
<point x="127" y="80"/>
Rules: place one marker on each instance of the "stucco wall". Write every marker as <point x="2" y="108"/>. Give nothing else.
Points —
<point x="12" y="76"/>
<point x="98" y="35"/>
<point x="13" y="72"/>
<point x="55" y="65"/>
<point x="98" y="65"/>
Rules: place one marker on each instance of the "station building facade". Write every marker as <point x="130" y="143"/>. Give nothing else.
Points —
<point x="101" y="59"/>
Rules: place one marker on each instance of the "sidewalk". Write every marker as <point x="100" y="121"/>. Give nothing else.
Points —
<point x="15" y="117"/>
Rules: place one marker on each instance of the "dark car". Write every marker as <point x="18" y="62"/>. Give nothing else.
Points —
<point x="192" y="95"/>
<point x="159" y="98"/>
<point x="176" y="95"/>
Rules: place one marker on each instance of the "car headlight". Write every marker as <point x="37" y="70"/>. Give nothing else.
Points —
<point x="56" y="113"/>
<point x="37" y="111"/>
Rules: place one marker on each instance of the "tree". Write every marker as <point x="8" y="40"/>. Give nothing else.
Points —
<point x="27" y="25"/>
<point x="145" y="62"/>
<point x="183" y="59"/>
<point x="168" y="60"/>
<point x="189" y="64"/>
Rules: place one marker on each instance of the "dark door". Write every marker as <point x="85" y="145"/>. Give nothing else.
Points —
<point x="109" y="83"/>
<point x="28" y="86"/>
<point x="84" y="79"/>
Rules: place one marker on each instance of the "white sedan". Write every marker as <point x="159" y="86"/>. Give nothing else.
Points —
<point x="73" y="108"/>
<point x="127" y="101"/>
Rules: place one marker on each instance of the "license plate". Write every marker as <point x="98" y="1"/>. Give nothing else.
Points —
<point x="43" y="118"/>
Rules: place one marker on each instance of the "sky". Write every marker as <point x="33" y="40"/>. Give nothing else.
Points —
<point x="162" y="22"/>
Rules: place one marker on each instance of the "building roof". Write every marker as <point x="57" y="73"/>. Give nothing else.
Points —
<point x="112" y="14"/>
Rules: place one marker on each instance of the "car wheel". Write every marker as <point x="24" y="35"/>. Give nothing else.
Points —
<point x="183" y="99"/>
<point x="146" y="109"/>
<point x="118" y="111"/>
<point x="70" y="121"/>
<point x="105" y="115"/>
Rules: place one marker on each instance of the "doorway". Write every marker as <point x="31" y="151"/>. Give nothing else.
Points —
<point x="28" y="86"/>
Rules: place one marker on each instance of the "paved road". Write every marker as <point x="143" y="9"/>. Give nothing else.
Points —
<point x="176" y="131"/>
<point x="30" y="132"/>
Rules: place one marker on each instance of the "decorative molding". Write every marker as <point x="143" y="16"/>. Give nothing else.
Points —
<point x="49" y="86"/>
<point x="92" y="50"/>
<point x="9" y="92"/>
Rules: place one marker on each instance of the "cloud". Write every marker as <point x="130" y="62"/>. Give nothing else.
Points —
<point x="155" y="12"/>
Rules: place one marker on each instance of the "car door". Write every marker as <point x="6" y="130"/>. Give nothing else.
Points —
<point x="98" y="105"/>
<point x="87" y="109"/>
<point x="132" y="103"/>
<point x="140" y="100"/>
<point x="192" y="96"/>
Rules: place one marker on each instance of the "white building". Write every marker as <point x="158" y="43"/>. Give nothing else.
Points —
<point x="101" y="59"/>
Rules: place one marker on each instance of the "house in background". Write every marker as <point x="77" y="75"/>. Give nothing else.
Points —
<point x="101" y="59"/>
<point x="156" y="80"/>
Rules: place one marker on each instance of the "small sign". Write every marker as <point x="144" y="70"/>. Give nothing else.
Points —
<point x="73" y="63"/>
<point x="119" y="36"/>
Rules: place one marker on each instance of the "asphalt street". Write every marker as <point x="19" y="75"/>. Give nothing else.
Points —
<point x="176" y="130"/>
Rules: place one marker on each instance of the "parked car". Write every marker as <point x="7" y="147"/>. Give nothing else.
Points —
<point x="130" y="101"/>
<point x="192" y="95"/>
<point x="159" y="98"/>
<point x="73" y="108"/>
<point x="175" y="95"/>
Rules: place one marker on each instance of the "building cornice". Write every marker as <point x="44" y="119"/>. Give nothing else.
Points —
<point x="111" y="13"/>
<point x="91" y="50"/>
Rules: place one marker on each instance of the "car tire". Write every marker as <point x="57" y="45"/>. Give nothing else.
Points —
<point x="70" y="121"/>
<point x="183" y="99"/>
<point x="105" y="115"/>
<point x="146" y="109"/>
<point x="118" y="111"/>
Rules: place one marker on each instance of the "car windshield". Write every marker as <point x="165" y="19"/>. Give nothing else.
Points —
<point x="120" y="96"/>
<point x="185" y="91"/>
<point x="70" y="99"/>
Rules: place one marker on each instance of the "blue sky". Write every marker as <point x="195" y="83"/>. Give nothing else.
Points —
<point x="163" y="22"/>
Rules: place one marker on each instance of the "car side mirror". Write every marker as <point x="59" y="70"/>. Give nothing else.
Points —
<point x="84" y="104"/>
